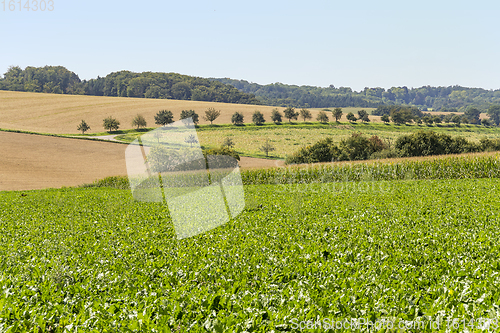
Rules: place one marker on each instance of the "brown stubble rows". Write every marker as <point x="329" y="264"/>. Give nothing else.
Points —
<point x="61" y="114"/>
<point x="30" y="162"/>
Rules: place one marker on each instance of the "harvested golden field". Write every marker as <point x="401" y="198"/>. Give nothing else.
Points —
<point x="36" y="161"/>
<point x="61" y="114"/>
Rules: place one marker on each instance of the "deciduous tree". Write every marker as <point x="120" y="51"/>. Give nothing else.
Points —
<point x="190" y="114"/>
<point x="305" y="114"/>
<point x="211" y="114"/>
<point x="337" y="113"/>
<point x="351" y="117"/>
<point x="494" y="114"/>
<point x="267" y="147"/>
<point x="237" y="118"/>
<point x="322" y="117"/>
<point x="84" y="127"/>
<point x="164" y="117"/>
<point x="111" y="124"/>
<point x="258" y="118"/>
<point x="139" y="121"/>
<point x="290" y="113"/>
<point x="276" y="116"/>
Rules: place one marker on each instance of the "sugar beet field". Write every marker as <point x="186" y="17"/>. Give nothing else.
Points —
<point x="93" y="259"/>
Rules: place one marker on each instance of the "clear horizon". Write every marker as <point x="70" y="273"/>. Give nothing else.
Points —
<point x="358" y="44"/>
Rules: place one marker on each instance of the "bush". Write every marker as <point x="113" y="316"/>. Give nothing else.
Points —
<point x="322" y="151"/>
<point x="385" y="153"/>
<point x="425" y="143"/>
<point x="358" y="147"/>
<point x="222" y="151"/>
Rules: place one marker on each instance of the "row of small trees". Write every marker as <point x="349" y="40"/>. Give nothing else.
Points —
<point x="162" y="118"/>
<point x="165" y="117"/>
<point x="289" y="113"/>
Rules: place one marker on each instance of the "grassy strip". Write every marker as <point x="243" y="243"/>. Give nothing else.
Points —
<point x="67" y="136"/>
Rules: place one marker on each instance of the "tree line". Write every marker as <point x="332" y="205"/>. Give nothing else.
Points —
<point x="424" y="98"/>
<point x="59" y="80"/>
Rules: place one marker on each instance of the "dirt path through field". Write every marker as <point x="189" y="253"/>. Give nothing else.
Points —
<point x="30" y="162"/>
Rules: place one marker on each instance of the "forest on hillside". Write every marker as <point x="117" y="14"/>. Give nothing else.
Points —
<point x="59" y="80"/>
<point x="425" y="98"/>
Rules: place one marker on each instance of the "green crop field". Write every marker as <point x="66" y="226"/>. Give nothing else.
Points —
<point x="93" y="259"/>
<point x="288" y="138"/>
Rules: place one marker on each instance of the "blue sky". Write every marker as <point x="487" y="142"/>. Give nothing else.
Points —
<point x="345" y="43"/>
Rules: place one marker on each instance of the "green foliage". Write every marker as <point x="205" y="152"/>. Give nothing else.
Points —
<point x="305" y="114"/>
<point x="401" y="116"/>
<point x="337" y="113"/>
<point x="322" y="151"/>
<point x="322" y="117"/>
<point x="237" y="118"/>
<point x="290" y="113"/>
<point x="428" y="120"/>
<point x="385" y="118"/>
<point x="363" y="116"/>
<point x="224" y="150"/>
<point x="489" y="144"/>
<point x="359" y="147"/>
<point x="190" y="114"/>
<point x="356" y="147"/>
<point x="139" y="121"/>
<point x="164" y="117"/>
<point x="95" y="260"/>
<point x="258" y="118"/>
<point x="111" y="124"/>
<point x="57" y="79"/>
<point x="472" y="114"/>
<point x="494" y="114"/>
<point x="211" y="114"/>
<point x="425" y="143"/>
<point x="351" y="117"/>
<point x="456" y="119"/>
<point x="485" y="122"/>
<point x="48" y="79"/>
<point x="83" y="127"/>
<point x="276" y="116"/>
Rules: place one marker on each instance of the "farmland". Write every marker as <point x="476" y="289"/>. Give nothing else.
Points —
<point x="60" y="114"/>
<point x="37" y="161"/>
<point x="95" y="259"/>
<point x="404" y="239"/>
<point x="288" y="138"/>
